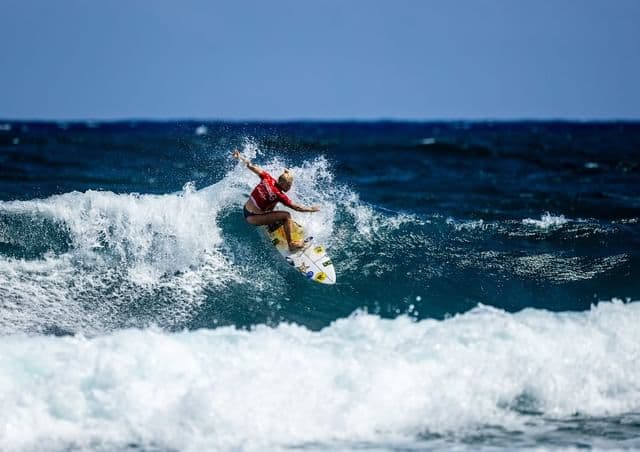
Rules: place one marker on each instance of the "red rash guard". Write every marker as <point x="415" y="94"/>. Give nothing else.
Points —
<point x="266" y="195"/>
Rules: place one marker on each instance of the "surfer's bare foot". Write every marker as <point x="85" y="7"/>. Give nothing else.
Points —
<point x="296" y="245"/>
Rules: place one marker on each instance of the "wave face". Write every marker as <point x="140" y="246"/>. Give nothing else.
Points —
<point x="138" y="309"/>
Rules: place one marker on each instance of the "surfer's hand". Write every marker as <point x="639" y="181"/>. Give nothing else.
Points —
<point x="236" y="154"/>
<point x="314" y="208"/>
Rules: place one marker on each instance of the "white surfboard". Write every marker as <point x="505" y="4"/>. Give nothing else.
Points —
<point x="311" y="261"/>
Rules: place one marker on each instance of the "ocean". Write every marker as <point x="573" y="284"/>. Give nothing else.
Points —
<point x="488" y="291"/>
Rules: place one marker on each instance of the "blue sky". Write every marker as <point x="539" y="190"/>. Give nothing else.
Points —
<point x="335" y="59"/>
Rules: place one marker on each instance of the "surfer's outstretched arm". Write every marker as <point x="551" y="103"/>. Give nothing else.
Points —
<point x="300" y="208"/>
<point x="255" y="168"/>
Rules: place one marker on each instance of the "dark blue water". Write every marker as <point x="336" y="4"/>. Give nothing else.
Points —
<point x="456" y="244"/>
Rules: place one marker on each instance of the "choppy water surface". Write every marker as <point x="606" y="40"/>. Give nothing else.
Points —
<point x="487" y="284"/>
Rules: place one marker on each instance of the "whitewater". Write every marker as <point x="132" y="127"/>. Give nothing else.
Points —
<point x="362" y="380"/>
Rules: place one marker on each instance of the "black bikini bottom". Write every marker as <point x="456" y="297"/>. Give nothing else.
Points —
<point x="271" y="227"/>
<point x="247" y="214"/>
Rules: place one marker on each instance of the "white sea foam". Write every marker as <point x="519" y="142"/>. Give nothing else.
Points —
<point x="557" y="268"/>
<point x="469" y="225"/>
<point x="121" y="246"/>
<point x="546" y="221"/>
<point x="363" y="379"/>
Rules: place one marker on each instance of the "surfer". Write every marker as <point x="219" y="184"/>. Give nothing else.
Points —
<point x="258" y="210"/>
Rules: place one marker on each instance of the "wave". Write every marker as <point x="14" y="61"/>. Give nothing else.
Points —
<point x="362" y="380"/>
<point x="96" y="261"/>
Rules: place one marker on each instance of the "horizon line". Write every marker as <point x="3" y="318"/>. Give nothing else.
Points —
<point x="325" y="120"/>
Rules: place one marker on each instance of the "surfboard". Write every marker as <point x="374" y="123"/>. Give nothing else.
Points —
<point x="311" y="261"/>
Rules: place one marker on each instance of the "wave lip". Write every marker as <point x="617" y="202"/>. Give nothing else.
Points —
<point x="361" y="380"/>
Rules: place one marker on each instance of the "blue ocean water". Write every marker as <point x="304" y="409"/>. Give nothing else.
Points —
<point x="487" y="296"/>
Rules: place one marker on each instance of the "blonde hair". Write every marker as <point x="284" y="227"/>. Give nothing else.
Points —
<point x="286" y="177"/>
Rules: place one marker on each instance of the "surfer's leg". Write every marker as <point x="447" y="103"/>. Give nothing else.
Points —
<point x="293" y="244"/>
<point x="274" y="217"/>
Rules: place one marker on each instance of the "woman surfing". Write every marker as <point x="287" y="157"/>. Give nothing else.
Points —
<point x="258" y="210"/>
